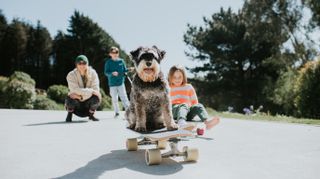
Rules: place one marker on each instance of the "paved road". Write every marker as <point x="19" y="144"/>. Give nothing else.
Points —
<point x="39" y="144"/>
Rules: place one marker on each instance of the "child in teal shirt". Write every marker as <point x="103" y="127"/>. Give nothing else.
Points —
<point x="115" y="70"/>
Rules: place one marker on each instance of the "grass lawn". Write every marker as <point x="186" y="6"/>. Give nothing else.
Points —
<point x="265" y="117"/>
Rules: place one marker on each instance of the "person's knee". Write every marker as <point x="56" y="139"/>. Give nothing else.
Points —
<point x="198" y="106"/>
<point x="71" y="103"/>
<point x="94" y="103"/>
<point x="95" y="99"/>
<point x="185" y="106"/>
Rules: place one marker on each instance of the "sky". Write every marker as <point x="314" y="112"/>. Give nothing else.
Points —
<point x="132" y="23"/>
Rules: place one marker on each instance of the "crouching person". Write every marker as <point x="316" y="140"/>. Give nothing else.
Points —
<point x="84" y="93"/>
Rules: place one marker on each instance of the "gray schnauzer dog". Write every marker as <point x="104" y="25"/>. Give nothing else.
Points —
<point x="150" y="106"/>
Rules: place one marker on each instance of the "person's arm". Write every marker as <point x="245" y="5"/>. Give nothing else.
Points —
<point x="193" y="96"/>
<point x="74" y="86"/>
<point x="107" y="70"/>
<point x="124" y="69"/>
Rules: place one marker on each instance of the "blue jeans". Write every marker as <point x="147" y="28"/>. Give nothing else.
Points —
<point x="115" y="93"/>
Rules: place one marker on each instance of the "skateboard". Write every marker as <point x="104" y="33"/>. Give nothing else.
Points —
<point x="160" y="138"/>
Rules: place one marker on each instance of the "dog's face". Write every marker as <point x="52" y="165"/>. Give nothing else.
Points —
<point x="147" y="62"/>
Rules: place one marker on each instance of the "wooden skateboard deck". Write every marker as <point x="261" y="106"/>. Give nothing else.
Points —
<point x="164" y="134"/>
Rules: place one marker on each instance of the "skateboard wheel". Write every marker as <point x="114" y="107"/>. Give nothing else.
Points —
<point x="161" y="144"/>
<point x="191" y="155"/>
<point x="153" y="156"/>
<point x="132" y="144"/>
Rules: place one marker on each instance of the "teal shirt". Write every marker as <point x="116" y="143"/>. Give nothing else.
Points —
<point x="112" y="66"/>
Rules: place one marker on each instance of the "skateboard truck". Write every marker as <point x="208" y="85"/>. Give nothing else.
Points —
<point x="160" y="139"/>
<point x="154" y="156"/>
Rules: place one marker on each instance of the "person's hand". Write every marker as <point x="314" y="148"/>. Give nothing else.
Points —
<point x="75" y="96"/>
<point x="96" y="93"/>
<point x="131" y="69"/>
<point x="115" y="73"/>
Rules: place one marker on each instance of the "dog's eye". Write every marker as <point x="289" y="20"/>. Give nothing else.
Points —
<point x="147" y="56"/>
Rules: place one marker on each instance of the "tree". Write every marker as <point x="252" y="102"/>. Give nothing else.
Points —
<point x="13" y="47"/>
<point x="39" y="48"/>
<point x="307" y="100"/>
<point x="3" y="25"/>
<point x="84" y="37"/>
<point x="315" y="9"/>
<point x="241" y="52"/>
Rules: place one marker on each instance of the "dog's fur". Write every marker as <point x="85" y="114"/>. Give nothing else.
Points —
<point x="150" y="106"/>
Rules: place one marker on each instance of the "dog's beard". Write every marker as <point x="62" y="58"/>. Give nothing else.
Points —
<point x="148" y="74"/>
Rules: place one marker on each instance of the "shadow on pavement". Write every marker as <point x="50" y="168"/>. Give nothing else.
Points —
<point x="59" y="122"/>
<point x="118" y="159"/>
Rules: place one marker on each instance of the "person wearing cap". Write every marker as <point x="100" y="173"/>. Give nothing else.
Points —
<point x="84" y="92"/>
<point x="115" y="71"/>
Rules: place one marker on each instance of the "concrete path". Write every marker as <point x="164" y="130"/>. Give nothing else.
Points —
<point x="39" y="144"/>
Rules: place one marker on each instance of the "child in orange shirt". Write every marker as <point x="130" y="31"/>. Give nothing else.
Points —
<point x="185" y="105"/>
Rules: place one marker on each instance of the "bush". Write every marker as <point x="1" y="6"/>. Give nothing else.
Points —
<point x="19" y="94"/>
<point x="58" y="93"/>
<point x="22" y="77"/>
<point x="308" y="90"/>
<point x="42" y="102"/>
<point x="3" y="82"/>
<point x="106" y="102"/>
<point x="284" y="92"/>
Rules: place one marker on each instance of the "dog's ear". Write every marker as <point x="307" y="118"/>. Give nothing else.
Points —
<point x="135" y="53"/>
<point x="161" y="53"/>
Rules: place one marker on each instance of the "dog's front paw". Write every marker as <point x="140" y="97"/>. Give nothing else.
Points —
<point x="172" y="127"/>
<point x="132" y="126"/>
<point x="140" y="129"/>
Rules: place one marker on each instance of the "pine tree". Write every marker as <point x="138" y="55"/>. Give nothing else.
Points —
<point x="84" y="37"/>
<point x="241" y="52"/>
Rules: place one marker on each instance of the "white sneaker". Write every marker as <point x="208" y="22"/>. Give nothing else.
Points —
<point x="182" y="123"/>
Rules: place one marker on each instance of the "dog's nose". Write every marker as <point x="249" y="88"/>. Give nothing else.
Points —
<point x="148" y="64"/>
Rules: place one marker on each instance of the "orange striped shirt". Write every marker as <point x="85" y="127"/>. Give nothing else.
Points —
<point x="183" y="94"/>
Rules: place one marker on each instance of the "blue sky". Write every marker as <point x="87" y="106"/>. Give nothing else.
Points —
<point x="132" y="23"/>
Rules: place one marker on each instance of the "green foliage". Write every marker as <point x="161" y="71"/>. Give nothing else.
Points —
<point x="3" y="26"/>
<point x="3" y="82"/>
<point x="315" y="9"/>
<point x="13" y="47"/>
<point x="58" y="93"/>
<point x="84" y="37"/>
<point x="240" y="53"/>
<point x="106" y="102"/>
<point x="284" y="92"/>
<point x="26" y="48"/>
<point x="20" y="91"/>
<point x="38" y="49"/>
<point x="23" y="77"/>
<point x="308" y="90"/>
<point x="42" y="102"/>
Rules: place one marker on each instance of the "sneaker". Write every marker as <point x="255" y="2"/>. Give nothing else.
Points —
<point x="183" y="124"/>
<point x="69" y="117"/>
<point x="116" y="115"/>
<point x="91" y="117"/>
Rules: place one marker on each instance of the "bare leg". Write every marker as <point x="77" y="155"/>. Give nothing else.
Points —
<point x="211" y="123"/>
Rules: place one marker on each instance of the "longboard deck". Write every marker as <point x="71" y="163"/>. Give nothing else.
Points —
<point x="164" y="134"/>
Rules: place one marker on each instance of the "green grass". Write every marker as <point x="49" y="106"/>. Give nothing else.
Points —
<point x="265" y="117"/>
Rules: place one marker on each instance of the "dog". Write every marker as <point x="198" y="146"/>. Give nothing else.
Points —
<point x="150" y="105"/>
